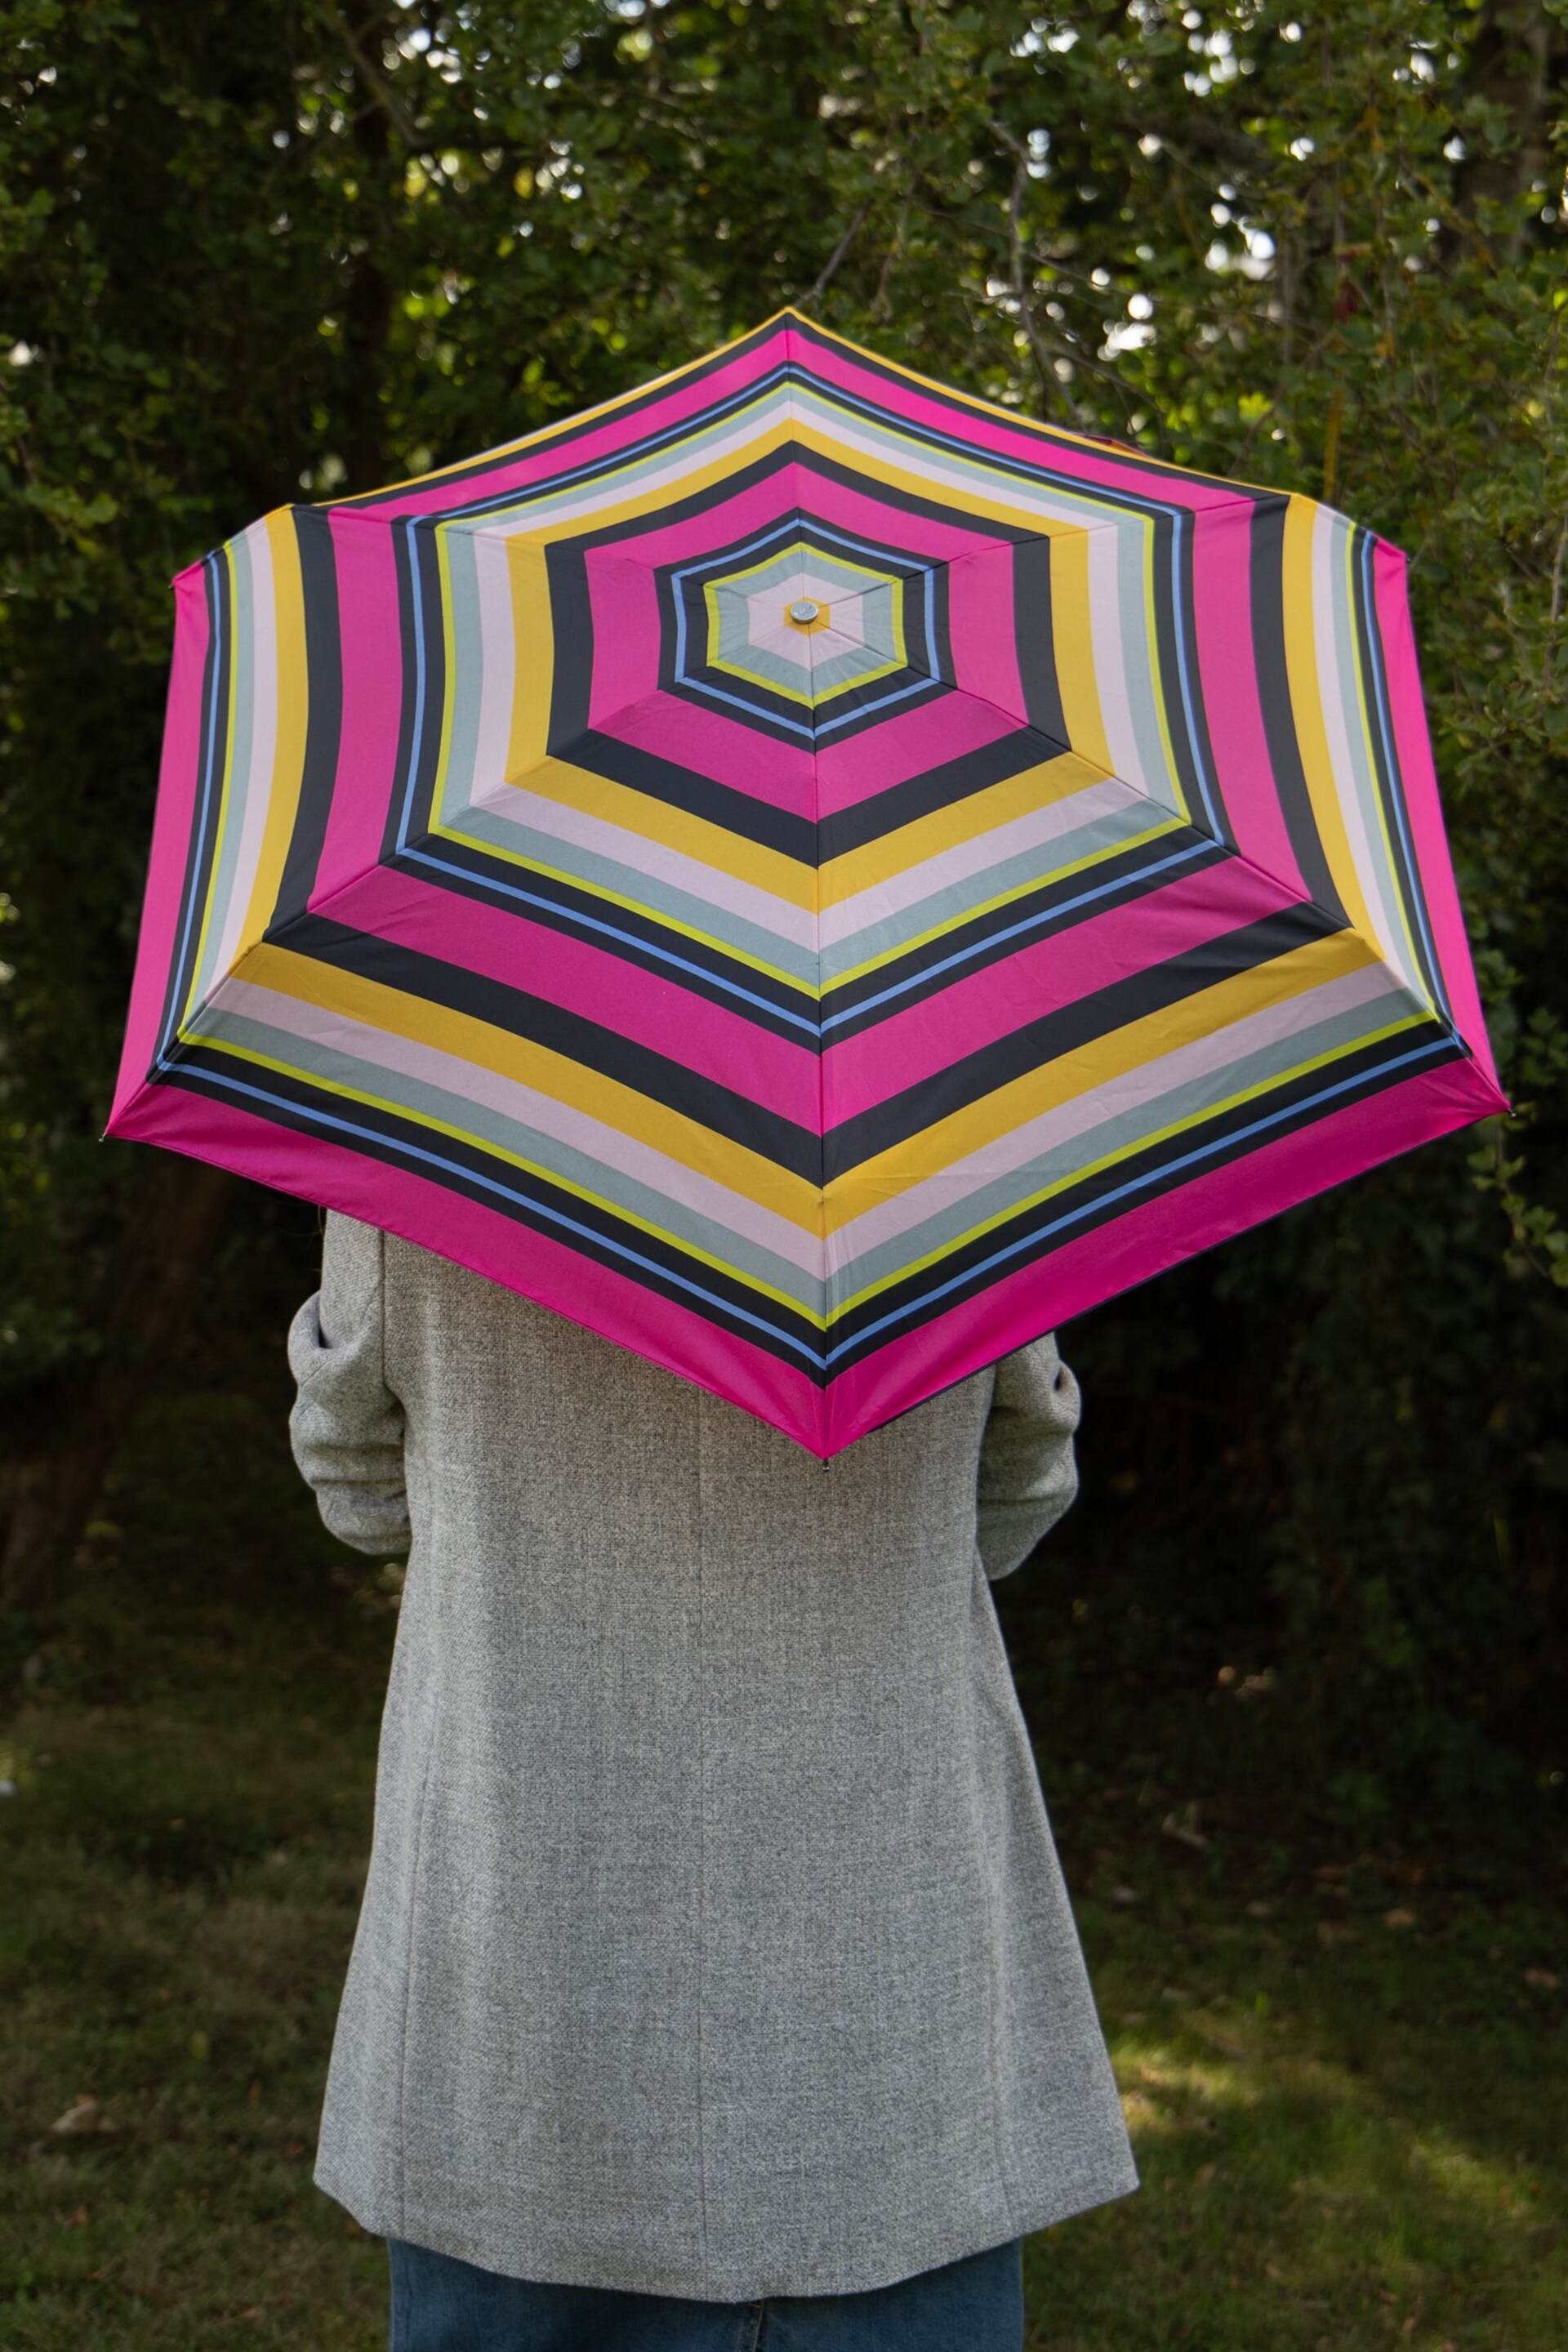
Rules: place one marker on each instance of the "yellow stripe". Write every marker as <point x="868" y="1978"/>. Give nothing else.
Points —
<point x="671" y="828"/>
<point x="928" y="836"/>
<point x="647" y="907"/>
<point x="468" y="1039"/>
<point x="1072" y="637"/>
<point x="1307" y="711"/>
<point x="949" y="1141"/>
<point x="1362" y="717"/>
<point x="210" y="913"/>
<point x="1128" y="1150"/>
<point x="971" y="913"/>
<point x="294" y="713"/>
<point x="534" y="655"/>
<point x="342" y="1092"/>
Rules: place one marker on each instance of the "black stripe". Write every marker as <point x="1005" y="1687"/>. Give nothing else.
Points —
<point x="565" y="437"/>
<point x="1050" y="437"/>
<point x="216" y="674"/>
<point x="1390" y="788"/>
<point x="1268" y="552"/>
<point x="1196" y="743"/>
<point x="323" y="708"/>
<point x="409" y="704"/>
<point x="938" y="788"/>
<point x="525" y="1197"/>
<point x="1038" y="1043"/>
<point x="712" y="1105"/>
<point x="683" y="788"/>
<point x="810" y="728"/>
<point x="412" y="800"/>
<point x="781" y="830"/>
<point x="927" y="651"/>
<point x="992" y="937"/>
<point x="1033" y="635"/>
<point x="1082" y="1208"/>
<point x="576" y="911"/>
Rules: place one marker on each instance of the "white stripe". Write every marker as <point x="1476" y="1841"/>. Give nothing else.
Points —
<point x="513" y="804"/>
<point x="1080" y="1115"/>
<point x="337" y="1032"/>
<point x="263" y="747"/>
<point x="898" y="892"/>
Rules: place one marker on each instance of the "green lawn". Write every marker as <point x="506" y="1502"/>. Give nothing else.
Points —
<point x="1349" y="2096"/>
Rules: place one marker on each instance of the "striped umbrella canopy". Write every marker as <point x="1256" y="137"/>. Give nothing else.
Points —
<point x="812" y="875"/>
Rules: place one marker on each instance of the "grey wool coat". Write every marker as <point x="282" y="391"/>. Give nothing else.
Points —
<point x="713" y="1943"/>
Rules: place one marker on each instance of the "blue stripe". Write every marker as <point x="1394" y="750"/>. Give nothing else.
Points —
<point x="505" y="1193"/>
<point x="1017" y="930"/>
<point x="1396" y="783"/>
<point x="1032" y="1240"/>
<point x="609" y="930"/>
<point x="216" y="602"/>
<point x="411" y="528"/>
<point x="1181" y="519"/>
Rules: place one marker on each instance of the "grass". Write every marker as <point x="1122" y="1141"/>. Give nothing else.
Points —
<point x="1349" y="2094"/>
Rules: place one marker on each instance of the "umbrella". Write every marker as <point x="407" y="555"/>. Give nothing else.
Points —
<point x="810" y="874"/>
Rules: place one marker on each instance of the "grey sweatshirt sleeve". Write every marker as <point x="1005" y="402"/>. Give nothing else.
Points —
<point x="346" y="1427"/>
<point x="1027" y="1473"/>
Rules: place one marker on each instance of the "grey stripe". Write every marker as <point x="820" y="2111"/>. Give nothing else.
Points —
<point x="242" y="706"/>
<point x="1118" y="830"/>
<point x="486" y="1126"/>
<point x="1342" y="1033"/>
<point x="606" y="874"/>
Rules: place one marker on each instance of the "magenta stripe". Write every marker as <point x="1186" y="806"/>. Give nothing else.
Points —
<point x="987" y="429"/>
<point x="1222" y="572"/>
<point x="983" y="625"/>
<point x="536" y="461"/>
<point x="916" y="1044"/>
<point x="863" y="515"/>
<point x="722" y="518"/>
<point x="1084" y="1273"/>
<point x="622" y="603"/>
<point x="488" y="1242"/>
<point x="652" y="1013"/>
<point x="896" y="749"/>
<point x="178" y="776"/>
<point x="1415" y="748"/>
<point x="802" y="487"/>
<point x="727" y="750"/>
<point x="373" y="692"/>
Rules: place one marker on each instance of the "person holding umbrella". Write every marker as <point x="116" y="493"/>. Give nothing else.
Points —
<point x="750" y="907"/>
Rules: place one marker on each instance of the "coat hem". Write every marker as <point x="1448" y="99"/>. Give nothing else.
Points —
<point x="394" y="2218"/>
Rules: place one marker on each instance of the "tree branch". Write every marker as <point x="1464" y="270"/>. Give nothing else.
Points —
<point x="830" y="267"/>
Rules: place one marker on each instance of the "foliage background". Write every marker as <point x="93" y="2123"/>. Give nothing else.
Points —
<point x="257" y="250"/>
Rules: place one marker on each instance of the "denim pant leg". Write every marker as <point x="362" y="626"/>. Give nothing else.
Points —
<point x="972" y="2305"/>
<point x="442" y="2305"/>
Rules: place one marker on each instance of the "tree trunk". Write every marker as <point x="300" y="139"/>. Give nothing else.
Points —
<point x="48" y="1487"/>
<point x="1518" y="62"/>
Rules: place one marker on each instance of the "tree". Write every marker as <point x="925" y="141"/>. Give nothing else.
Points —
<point x="264" y="252"/>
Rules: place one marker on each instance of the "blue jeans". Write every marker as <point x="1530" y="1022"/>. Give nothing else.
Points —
<point x="440" y="2305"/>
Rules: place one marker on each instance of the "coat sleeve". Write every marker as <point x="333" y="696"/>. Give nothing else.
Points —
<point x="1027" y="1473"/>
<point x="347" y="1427"/>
